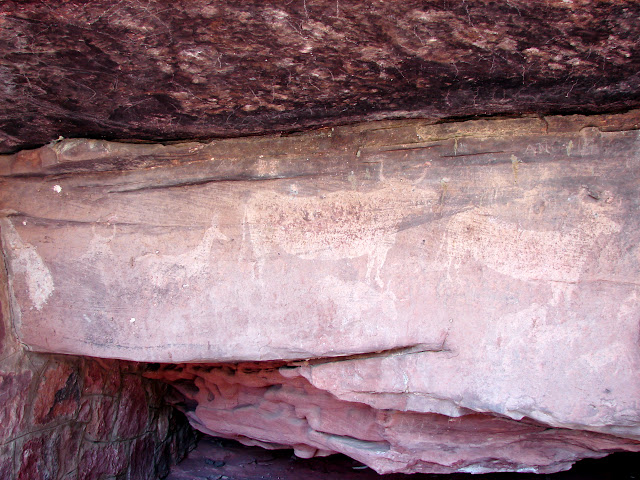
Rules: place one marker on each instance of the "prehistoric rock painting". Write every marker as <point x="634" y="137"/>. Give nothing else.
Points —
<point x="479" y="275"/>
<point x="337" y="225"/>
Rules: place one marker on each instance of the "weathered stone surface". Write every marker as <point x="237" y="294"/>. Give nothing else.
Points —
<point x="276" y="408"/>
<point x="6" y="466"/>
<point x="13" y="390"/>
<point x="32" y="459"/>
<point x="214" y="457"/>
<point x="66" y="418"/>
<point x="102" y="418"/>
<point x="168" y="70"/>
<point x="102" y="377"/>
<point x="50" y="456"/>
<point x="102" y="459"/>
<point x="58" y="394"/>
<point x="141" y="461"/>
<point x="484" y="272"/>
<point x="133" y="409"/>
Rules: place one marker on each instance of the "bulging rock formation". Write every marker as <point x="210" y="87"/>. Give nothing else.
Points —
<point x="422" y="296"/>
<point x="281" y="407"/>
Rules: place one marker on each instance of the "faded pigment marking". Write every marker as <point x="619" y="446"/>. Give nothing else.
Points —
<point x="528" y="255"/>
<point x="24" y="259"/>
<point x="339" y="225"/>
<point x="178" y="270"/>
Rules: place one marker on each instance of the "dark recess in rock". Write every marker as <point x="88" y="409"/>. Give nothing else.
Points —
<point x="169" y="70"/>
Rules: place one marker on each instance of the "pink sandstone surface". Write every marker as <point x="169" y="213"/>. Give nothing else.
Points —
<point x="277" y="408"/>
<point x="427" y="280"/>
<point x="63" y="417"/>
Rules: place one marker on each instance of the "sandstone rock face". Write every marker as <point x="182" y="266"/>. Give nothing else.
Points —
<point x="78" y="418"/>
<point x="484" y="271"/>
<point x="260" y="404"/>
<point x="171" y="70"/>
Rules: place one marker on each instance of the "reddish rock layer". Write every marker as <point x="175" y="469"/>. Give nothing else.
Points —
<point x="81" y="419"/>
<point x="278" y="408"/>
<point x="435" y="270"/>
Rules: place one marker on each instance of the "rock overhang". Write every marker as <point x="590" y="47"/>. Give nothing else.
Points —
<point x="428" y="269"/>
<point x="163" y="71"/>
<point x="418" y="249"/>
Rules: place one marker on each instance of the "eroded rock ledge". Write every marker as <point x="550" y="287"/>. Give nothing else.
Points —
<point x="410" y="277"/>
<point x="261" y="404"/>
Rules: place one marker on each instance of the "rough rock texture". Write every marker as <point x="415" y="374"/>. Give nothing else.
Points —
<point x="279" y="408"/>
<point x="167" y="70"/>
<point x="485" y="271"/>
<point x="216" y="458"/>
<point x="78" y="418"/>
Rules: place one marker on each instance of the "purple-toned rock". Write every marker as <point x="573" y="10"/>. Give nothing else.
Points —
<point x="141" y="462"/>
<point x="133" y="409"/>
<point x="102" y="418"/>
<point x="161" y="70"/>
<point x="2" y="331"/>
<point x="13" y="408"/>
<point x="31" y="459"/>
<point x="46" y="455"/>
<point x="100" y="459"/>
<point x="101" y="377"/>
<point x="6" y="467"/>
<point x="58" y="394"/>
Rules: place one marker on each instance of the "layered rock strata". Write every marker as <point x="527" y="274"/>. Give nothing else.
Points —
<point x="261" y="404"/>
<point x="484" y="271"/>
<point x="71" y="418"/>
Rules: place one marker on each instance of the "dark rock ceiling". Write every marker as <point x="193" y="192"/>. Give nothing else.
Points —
<point x="158" y="70"/>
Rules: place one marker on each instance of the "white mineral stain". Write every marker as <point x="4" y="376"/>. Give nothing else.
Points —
<point x="24" y="260"/>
